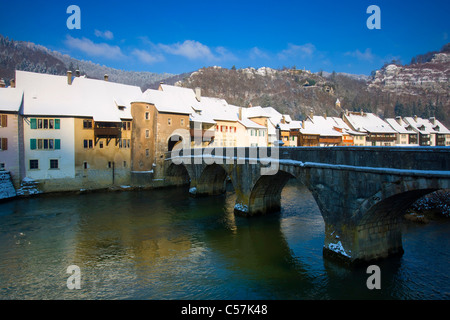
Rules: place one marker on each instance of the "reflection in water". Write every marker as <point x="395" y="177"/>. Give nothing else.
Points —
<point x="162" y="244"/>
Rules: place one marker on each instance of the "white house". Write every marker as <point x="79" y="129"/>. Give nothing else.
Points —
<point x="10" y="128"/>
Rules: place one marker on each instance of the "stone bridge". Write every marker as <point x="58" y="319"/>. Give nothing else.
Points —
<point x="362" y="192"/>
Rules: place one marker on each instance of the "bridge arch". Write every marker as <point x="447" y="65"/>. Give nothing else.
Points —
<point x="178" y="175"/>
<point x="265" y="195"/>
<point x="212" y="180"/>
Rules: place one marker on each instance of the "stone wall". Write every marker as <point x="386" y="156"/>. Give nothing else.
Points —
<point x="6" y="186"/>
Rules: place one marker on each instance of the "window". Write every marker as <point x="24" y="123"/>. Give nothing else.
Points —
<point x="45" y="123"/>
<point x="85" y="165"/>
<point x="147" y="133"/>
<point x="124" y="143"/>
<point x="169" y="121"/>
<point x="3" y="143"/>
<point x="147" y="115"/>
<point x="101" y="144"/>
<point x="147" y="152"/>
<point x="34" y="164"/>
<point x="45" y="144"/>
<point x="182" y="122"/>
<point x="54" y="164"/>
<point x="2" y="166"/>
<point x="4" y="120"/>
<point x="87" y="124"/>
<point x="88" y="144"/>
<point x="124" y="164"/>
<point x="126" y="125"/>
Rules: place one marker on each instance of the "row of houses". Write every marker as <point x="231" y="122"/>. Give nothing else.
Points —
<point x="71" y="132"/>
<point x="363" y="129"/>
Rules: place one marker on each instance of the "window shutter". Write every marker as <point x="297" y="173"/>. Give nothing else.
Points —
<point x="4" y="143"/>
<point x="4" y="121"/>
<point x="33" y="124"/>
<point x="57" y="123"/>
<point x="33" y="143"/>
<point x="57" y="144"/>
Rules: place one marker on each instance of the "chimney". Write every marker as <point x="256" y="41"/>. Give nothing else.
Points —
<point x="325" y="115"/>
<point x="69" y="77"/>
<point x="433" y="120"/>
<point x="2" y="83"/>
<point x="311" y="114"/>
<point x="250" y="105"/>
<point x="346" y="112"/>
<point x="105" y="77"/>
<point x="198" y="93"/>
<point x="399" y="120"/>
<point x="283" y="120"/>
<point x="77" y="73"/>
<point x="303" y="124"/>
<point x="362" y="112"/>
<point x="415" y="118"/>
<point x="240" y="113"/>
<point x="12" y="83"/>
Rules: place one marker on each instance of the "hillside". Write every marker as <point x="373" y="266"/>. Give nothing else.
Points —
<point x="28" y="56"/>
<point x="420" y="88"/>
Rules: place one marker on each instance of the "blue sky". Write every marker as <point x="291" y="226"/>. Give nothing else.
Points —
<point x="181" y="36"/>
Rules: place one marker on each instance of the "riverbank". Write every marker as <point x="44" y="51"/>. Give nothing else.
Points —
<point x="433" y="206"/>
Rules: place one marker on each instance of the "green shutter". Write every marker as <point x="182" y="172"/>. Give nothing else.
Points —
<point x="56" y="123"/>
<point x="33" y="143"/>
<point x="33" y="123"/>
<point x="57" y="144"/>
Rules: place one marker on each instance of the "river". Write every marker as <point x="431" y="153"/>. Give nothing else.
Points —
<point x="163" y="244"/>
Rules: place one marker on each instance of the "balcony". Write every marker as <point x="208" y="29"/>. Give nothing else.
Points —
<point x="381" y="138"/>
<point x="107" y="130"/>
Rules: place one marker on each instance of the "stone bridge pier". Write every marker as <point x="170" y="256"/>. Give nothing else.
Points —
<point x="362" y="193"/>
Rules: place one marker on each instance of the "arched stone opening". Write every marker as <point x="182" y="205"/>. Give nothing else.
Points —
<point x="212" y="181"/>
<point x="178" y="175"/>
<point x="174" y="141"/>
<point x="378" y="232"/>
<point x="265" y="196"/>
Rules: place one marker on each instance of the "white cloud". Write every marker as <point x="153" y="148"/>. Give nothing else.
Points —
<point x="94" y="49"/>
<point x="147" y="57"/>
<point x="303" y="51"/>
<point x="105" y="35"/>
<point x="256" y="53"/>
<point x="224" y="54"/>
<point x="367" y="55"/>
<point x="190" y="49"/>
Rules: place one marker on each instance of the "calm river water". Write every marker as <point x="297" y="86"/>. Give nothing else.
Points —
<point x="162" y="244"/>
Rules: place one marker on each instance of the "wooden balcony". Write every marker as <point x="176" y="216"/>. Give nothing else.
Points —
<point x="331" y="140"/>
<point x="388" y="138"/>
<point x="112" y="132"/>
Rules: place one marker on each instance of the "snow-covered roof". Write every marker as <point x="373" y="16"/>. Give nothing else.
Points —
<point x="368" y="122"/>
<point x="10" y="99"/>
<point x="323" y="126"/>
<point x="399" y="127"/>
<point x="251" y="124"/>
<point x="426" y="126"/>
<point x="51" y="95"/>
<point x="165" y="101"/>
<point x="340" y="123"/>
<point x="219" y="110"/>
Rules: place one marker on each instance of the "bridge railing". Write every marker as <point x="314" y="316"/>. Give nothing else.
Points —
<point x="405" y="158"/>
